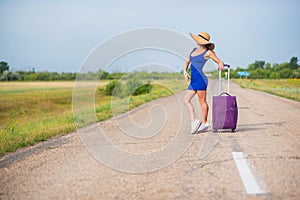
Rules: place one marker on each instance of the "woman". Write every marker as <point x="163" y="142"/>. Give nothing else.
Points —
<point x="198" y="84"/>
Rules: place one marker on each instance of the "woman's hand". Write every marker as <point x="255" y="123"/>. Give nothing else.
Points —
<point x="186" y="65"/>
<point x="221" y="66"/>
<point x="186" y="76"/>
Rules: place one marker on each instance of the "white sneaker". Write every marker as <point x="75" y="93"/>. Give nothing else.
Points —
<point x="195" y="125"/>
<point x="203" y="127"/>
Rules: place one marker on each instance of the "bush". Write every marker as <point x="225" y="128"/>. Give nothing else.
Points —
<point x="10" y="76"/>
<point x="144" y="89"/>
<point x="132" y="87"/>
<point x="135" y="87"/>
<point x="114" y="88"/>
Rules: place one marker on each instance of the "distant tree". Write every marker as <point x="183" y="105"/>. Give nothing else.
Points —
<point x="10" y="76"/>
<point x="286" y="73"/>
<point x="258" y="64"/>
<point x="260" y="69"/>
<point x="3" y="67"/>
<point x="63" y="76"/>
<point x="43" y="76"/>
<point x="294" y="63"/>
<point x="56" y="76"/>
<point x="268" y="66"/>
<point x="103" y="75"/>
<point x="296" y="74"/>
<point x="279" y="67"/>
<point x="259" y="73"/>
<point x="233" y="73"/>
<point x="274" y="75"/>
<point x="240" y="69"/>
<point x="30" y="77"/>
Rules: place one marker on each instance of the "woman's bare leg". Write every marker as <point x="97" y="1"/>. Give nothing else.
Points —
<point x="202" y="100"/>
<point x="187" y="102"/>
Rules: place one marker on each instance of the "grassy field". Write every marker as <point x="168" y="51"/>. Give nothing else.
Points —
<point x="288" y="88"/>
<point x="35" y="111"/>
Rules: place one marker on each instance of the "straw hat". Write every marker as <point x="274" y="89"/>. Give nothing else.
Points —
<point x="203" y="39"/>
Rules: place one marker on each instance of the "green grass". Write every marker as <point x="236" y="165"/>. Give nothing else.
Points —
<point x="36" y="111"/>
<point x="287" y="88"/>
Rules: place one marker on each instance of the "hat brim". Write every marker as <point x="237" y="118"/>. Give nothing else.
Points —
<point x="202" y="41"/>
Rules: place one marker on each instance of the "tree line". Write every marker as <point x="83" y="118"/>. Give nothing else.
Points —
<point x="262" y="70"/>
<point x="8" y="75"/>
<point x="258" y="70"/>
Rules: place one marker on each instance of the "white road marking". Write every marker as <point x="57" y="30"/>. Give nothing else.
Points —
<point x="246" y="175"/>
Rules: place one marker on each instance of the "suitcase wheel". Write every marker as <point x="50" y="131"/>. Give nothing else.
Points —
<point x="232" y="130"/>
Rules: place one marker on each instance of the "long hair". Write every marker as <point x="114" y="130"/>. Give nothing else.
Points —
<point x="207" y="46"/>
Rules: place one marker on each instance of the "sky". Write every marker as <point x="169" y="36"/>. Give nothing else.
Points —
<point x="59" y="35"/>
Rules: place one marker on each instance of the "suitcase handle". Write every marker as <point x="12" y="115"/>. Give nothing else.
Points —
<point x="224" y="93"/>
<point x="228" y="89"/>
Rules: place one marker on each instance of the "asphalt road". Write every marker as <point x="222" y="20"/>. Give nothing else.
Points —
<point x="149" y="153"/>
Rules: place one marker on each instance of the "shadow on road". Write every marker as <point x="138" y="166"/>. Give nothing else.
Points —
<point x="257" y="126"/>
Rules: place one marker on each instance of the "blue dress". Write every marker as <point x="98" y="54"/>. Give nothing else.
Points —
<point x="198" y="79"/>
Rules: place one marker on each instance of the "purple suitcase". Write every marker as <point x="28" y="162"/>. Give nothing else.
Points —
<point x="224" y="109"/>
